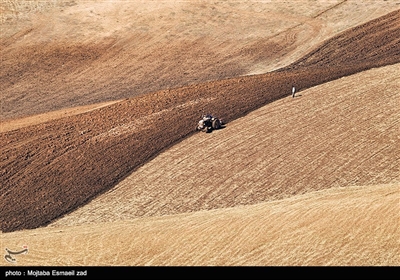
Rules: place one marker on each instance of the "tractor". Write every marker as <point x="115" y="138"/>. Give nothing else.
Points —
<point x="208" y="123"/>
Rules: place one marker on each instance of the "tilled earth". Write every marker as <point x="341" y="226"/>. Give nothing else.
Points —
<point x="50" y="169"/>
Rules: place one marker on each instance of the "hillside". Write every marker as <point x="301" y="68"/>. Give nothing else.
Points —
<point x="351" y="226"/>
<point x="57" y="166"/>
<point x="334" y="135"/>
<point x="100" y="163"/>
<point x="59" y="54"/>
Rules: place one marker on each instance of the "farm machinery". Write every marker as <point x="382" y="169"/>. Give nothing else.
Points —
<point x="208" y="123"/>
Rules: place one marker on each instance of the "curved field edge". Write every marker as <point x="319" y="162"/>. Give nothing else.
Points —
<point x="352" y="226"/>
<point x="67" y="162"/>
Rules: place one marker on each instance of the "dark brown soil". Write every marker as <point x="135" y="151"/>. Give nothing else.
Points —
<point x="50" y="169"/>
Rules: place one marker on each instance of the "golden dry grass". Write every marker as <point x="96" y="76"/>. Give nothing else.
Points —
<point x="352" y="226"/>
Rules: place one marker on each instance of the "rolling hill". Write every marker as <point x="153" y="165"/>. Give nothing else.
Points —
<point x="98" y="116"/>
<point x="351" y="226"/>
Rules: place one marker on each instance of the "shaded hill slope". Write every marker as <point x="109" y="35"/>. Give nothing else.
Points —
<point x="352" y="226"/>
<point x="56" y="167"/>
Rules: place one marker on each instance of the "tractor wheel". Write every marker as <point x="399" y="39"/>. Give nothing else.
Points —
<point x="216" y="124"/>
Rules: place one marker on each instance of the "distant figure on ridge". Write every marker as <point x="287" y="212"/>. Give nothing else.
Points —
<point x="293" y="91"/>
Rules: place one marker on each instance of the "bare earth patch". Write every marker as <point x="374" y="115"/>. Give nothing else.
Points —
<point x="53" y="115"/>
<point x="60" y="54"/>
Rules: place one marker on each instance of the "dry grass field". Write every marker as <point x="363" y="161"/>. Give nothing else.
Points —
<point x="100" y="164"/>
<point x="355" y="226"/>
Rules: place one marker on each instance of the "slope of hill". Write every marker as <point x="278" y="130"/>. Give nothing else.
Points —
<point x="311" y="180"/>
<point x="352" y="226"/>
<point x="338" y="134"/>
<point x="57" y="54"/>
<point x="55" y="167"/>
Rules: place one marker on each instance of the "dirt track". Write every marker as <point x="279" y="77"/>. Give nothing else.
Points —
<point x="55" y="167"/>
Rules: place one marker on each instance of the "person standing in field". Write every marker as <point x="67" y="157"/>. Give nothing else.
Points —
<point x="293" y="91"/>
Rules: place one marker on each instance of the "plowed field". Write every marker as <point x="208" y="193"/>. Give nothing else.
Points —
<point x="99" y="104"/>
<point x="329" y="137"/>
